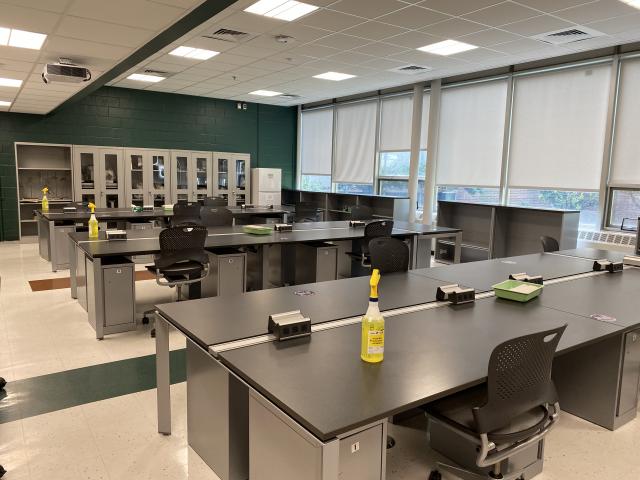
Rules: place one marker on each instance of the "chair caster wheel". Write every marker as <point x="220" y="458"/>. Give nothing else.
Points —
<point x="391" y="442"/>
<point x="435" y="475"/>
<point x="3" y="383"/>
<point x="145" y="320"/>
<point x="2" y="471"/>
<point x="153" y="333"/>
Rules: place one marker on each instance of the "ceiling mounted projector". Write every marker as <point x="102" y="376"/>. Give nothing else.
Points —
<point x="65" y="72"/>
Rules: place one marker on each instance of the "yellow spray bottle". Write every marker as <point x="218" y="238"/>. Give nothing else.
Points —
<point x="93" y="222"/>
<point x="45" y="200"/>
<point x="372" y="346"/>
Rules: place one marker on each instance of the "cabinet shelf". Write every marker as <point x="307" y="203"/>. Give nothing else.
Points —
<point x="46" y="168"/>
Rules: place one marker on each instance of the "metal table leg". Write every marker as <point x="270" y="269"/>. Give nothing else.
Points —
<point x="163" y="375"/>
<point x="73" y="261"/>
<point x="458" y="248"/>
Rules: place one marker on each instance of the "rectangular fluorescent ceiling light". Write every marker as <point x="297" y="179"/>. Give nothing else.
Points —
<point x="10" y="82"/>
<point x="448" y="47"/>
<point x="141" y="77"/>
<point x="196" y="53"/>
<point x="265" y="93"/>
<point x="4" y="104"/>
<point x="335" y="76"/>
<point x="21" y="39"/>
<point x="281" y="9"/>
<point x="632" y="3"/>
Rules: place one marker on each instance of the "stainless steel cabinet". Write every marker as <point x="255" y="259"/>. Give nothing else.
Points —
<point x="147" y="177"/>
<point x="98" y="176"/>
<point x="231" y="174"/>
<point x="191" y="178"/>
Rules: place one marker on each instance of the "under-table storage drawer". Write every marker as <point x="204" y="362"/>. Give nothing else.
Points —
<point x="630" y="377"/>
<point x="118" y="295"/>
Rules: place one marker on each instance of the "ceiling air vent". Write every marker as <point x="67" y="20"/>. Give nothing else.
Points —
<point x="568" y="35"/>
<point x="290" y="96"/>
<point x="410" y="69"/>
<point x="227" y="35"/>
<point x="162" y="73"/>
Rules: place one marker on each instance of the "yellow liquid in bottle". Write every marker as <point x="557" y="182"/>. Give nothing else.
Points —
<point x="45" y="204"/>
<point x="372" y="346"/>
<point x="93" y="227"/>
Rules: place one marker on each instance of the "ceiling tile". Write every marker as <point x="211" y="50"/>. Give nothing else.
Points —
<point x="453" y="28"/>
<point x="413" y="17"/>
<point x="458" y="7"/>
<point x="537" y="25"/>
<point x="235" y="59"/>
<point x="56" y="6"/>
<point x="248" y="22"/>
<point x="13" y="16"/>
<point x="135" y="13"/>
<point x="252" y="51"/>
<point x="300" y="32"/>
<point x="375" y="30"/>
<point x="413" y="39"/>
<point x="506" y="12"/>
<point x="19" y="54"/>
<point x="593" y="12"/>
<point x="292" y="58"/>
<point x="341" y="41"/>
<point x="186" y="4"/>
<point x="109" y="33"/>
<point x="518" y="47"/>
<point x="380" y="49"/>
<point x="317" y="51"/>
<point x="480" y="55"/>
<point x="15" y="65"/>
<point x="351" y="58"/>
<point x="552" y="5"/>
<point x="202" y="42"/>
<point x="613" y="26"/>
<point x="384" y="63"/>
<point x="367" y="8"/>
<point x="330" y="20"/>
<point x="490" y="37"/>
<point x="83" y="50"/>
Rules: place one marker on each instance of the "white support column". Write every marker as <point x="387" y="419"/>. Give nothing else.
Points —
<point x="416" y="131"/>
<point x="608" y="143"/>
<point x="432" y="151"/>
<point x="299" y="149"/>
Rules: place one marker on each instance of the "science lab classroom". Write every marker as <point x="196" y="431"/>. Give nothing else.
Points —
<point x="319" y="239"/>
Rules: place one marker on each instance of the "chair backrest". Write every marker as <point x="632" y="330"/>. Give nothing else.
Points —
<point x="519" y="379"/>
<point x="184" y="212"/>
<point x="549" y="244"/>
<point x="215" y="202"/>
<point x="389" y="255"/>
<point x="306" y="212"/>
<point x="182" y="243"/>
<point x="361" y="212"/>
<point x="378" y="228"/>
<point x="216" y="216"/>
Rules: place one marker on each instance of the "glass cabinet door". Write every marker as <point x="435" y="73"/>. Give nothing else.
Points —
<point x="201" y="186"/>
<point x="111" y="179"/>
<point x="222" y="172"/>
<point x="159" y="191"/>
<point x="240" y="181"/>
<point x="135" y="167"/>
<point x="181" y="173"/>
<point x="86" y="175"/>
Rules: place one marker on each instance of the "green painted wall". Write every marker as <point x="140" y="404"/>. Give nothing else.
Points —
<point x="136" y="118"/>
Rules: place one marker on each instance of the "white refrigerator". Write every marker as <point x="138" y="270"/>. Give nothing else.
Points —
<point x="266" y="186"/>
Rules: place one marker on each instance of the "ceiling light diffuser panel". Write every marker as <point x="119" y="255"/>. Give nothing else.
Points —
<point x="10" y="82"/>
<point x="335" y="76"/>
<point x="141" y="77"/>
<point x="195" y="53"/>
<point x="281" y="9"/>
<point x="447" y="47"/>
<point x="12" y="37"/>
<point x="4" y="103"/>
<point x="265" y="93"/>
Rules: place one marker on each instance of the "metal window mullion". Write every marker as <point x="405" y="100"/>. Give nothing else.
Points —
<point x="610" y="133"/>
<point x="376" y="154"/>
<point x="506" y="141"/>
<point x="333" y="146"/>
<point x="299" y="149"/>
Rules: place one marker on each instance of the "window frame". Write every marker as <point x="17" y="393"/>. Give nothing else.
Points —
<point x="609" y="205"/>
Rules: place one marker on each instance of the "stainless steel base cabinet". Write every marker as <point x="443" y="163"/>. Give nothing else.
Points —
<point x="281" y="449"/>
<point x="316" y="262"/>
<point x="227" y="274"/>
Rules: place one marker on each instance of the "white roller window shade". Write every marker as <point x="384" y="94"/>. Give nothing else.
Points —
<point x="471" y="133"/>
<point x="396" y="120"/>
<point x="558" y="131"/>
<point x="317" y="141"/>
<point x="625" y="168"/>
<point x="355" y="143"/>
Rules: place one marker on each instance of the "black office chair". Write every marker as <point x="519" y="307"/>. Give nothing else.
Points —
<point x="549" y="244"/>
<point x="182" y="259"/>
<point x="512" y="412"/>
<point x="389" y="255"/>
<point x="306" y="212"/>
<point x="216" y="216"/>
<point x="215" y="202"/>
<point x="377" y="228"/>
<point x="361" y="212"/>
<point x="184" y="212"/>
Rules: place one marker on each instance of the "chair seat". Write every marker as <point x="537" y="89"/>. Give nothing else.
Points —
<point x="178" y="270"/>
<point x="456" y="410"/>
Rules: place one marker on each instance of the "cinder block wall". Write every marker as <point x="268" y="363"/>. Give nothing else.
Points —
<point x="136" y="118"/>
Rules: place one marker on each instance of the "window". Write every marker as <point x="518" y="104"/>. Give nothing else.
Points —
<point x="469" y="194"/>
<point x="624" y="204"/>
<point x="586" y="202"/>
<point x="356" y="188"/>
<point x="315" y="183"/>
<point x="557" y="140"/>
<point x="316" y="145"/>
<point x="400" y="188"/>
<point x="393" y="174"/>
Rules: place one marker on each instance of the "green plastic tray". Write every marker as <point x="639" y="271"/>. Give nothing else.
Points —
<point x="506" y="290"/>
<point x="257" y="229"/>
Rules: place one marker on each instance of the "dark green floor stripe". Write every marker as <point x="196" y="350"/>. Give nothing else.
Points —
<point x="48" y="393"/>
